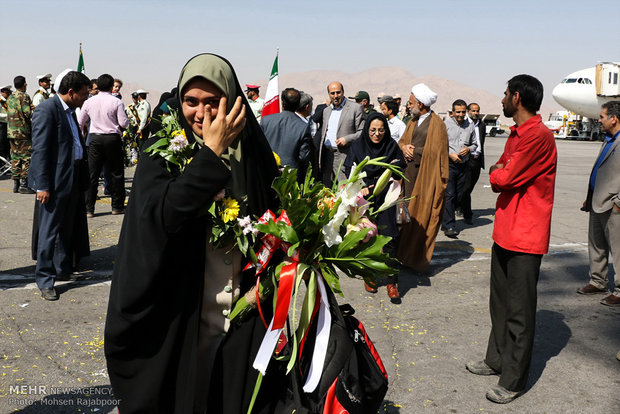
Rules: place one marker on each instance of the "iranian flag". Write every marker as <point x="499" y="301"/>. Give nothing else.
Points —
<point x="80" y="65"/>
<point x="272" y="96"/>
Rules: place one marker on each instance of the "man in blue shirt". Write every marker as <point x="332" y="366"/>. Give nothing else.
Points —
<point x="603" y="203"/>
<point x="342" y="124"/>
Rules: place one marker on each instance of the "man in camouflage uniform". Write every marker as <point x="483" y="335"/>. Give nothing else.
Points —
<point x="363" y="99"/>
<point x="19" y="114"/>
<point x="43" y="92"/>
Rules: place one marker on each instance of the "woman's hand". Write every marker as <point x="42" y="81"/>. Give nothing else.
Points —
<point x="220" y="132"/>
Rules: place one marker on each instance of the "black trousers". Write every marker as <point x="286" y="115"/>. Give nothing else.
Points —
<point x="475" y="165"/>
<point x="5" y="148"/>
<point x="514" y="276"/>
<point x="106" y="150"/>
<point x="454" y="191"/>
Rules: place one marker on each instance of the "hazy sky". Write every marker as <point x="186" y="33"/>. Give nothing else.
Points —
<point x="478" y="43"/>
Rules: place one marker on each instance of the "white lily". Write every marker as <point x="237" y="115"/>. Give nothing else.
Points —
<point x="391" y="197"/>
<point x="348" y="197"/>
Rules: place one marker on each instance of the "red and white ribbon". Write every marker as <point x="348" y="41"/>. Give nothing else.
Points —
<point x="288" y="276"/>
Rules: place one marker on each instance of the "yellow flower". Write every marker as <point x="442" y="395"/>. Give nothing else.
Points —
<point x="277" y="157"/>
<point x="178" y="132"/>
<point x="230" y="209"/>
<point x="326" y="203"/>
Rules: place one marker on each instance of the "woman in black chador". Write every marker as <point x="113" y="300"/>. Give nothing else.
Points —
<point x="376" y="141"/>
<point x="169" y="345"/>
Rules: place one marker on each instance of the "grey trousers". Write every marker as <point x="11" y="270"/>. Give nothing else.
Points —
<point x="603" y="240"/>
<point x="514" y="276"/>
<point x="329" y="166"/>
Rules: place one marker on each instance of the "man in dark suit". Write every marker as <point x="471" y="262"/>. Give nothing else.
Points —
<point x="288" y="135"/>
<point x="603" y="203"/>
<point x="476" y="162"/>
<point x="59" y="173"/>
<point x="342" y="124"/>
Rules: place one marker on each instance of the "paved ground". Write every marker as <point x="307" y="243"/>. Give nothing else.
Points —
<point x="55" y="349"/>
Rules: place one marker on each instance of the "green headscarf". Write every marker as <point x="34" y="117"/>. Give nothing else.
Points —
<point x="217" y="71"/>
<point x="249" y="157"/>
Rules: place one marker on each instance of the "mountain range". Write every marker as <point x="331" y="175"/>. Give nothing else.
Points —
<point x="389" y="80"/>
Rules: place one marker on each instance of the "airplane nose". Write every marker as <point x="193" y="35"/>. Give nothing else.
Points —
<point x="561" y="94"/>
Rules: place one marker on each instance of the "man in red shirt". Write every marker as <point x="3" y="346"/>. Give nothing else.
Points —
<point x="524" y="177"/>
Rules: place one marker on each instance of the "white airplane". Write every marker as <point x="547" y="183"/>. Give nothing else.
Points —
<point x="583" y="92"/>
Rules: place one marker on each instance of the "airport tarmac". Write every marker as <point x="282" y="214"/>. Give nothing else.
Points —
<point x="51" y="353"/>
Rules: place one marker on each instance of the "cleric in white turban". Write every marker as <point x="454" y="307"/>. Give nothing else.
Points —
<point x="425" y="147"/>
<point x="424" y="94"/>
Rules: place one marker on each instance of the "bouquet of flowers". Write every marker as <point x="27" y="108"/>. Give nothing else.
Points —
<point x="320" y="231"/>
<point x="130" y="150"/>
<point x="173" y="145"/>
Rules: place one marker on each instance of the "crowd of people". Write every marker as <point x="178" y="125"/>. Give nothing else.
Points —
<point x="59" y="153"/>
<point x="325" y="140"/>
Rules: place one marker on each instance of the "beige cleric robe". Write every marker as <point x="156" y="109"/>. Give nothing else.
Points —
<point x="417" y="240"/>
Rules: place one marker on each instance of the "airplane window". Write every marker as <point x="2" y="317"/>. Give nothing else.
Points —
<point x="609" y="81"/>
<point x="615" y="78"/>
<point x="572" y="80"/>
<point x="564" y="80"/>
<point x="588" y="81"/>
<point x="580" y="80"/>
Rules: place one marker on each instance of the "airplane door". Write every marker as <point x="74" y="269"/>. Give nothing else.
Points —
<point x="607" y="79"/>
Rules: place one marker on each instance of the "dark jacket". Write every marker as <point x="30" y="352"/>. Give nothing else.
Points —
<point x="52" y="168"/>
<point x="289" y="137"/>
<point x="51" y="165"/>
<point x="483" y="133"/>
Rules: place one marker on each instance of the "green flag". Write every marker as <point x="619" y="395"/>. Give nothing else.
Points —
<point x="80" y="67"/>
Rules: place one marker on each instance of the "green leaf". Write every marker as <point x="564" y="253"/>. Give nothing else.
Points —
<point x="158" y="144"/>
<point x="172" y="158"/>
<point x="307" y="307"/>
<point x="331" y="277"/>
<point x="259" y="381"/>
<point x="350" y="241"/>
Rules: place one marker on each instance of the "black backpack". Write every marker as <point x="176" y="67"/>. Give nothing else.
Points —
<point x="354" y="379"/>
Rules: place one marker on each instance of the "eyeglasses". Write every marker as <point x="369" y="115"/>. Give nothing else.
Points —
<point x="376" y="131"/>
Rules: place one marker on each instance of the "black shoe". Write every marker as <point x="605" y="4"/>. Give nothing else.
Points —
<point x="118" y="211"/>
<point x="480" y="368"/>
<point x="501" y="395"/>
<point x="26" y="190"/>
<point x="49" y="294"/>
<point x="451" y="232"/>
<point x="16" y="185"/>
<point x="23" y="187"/>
